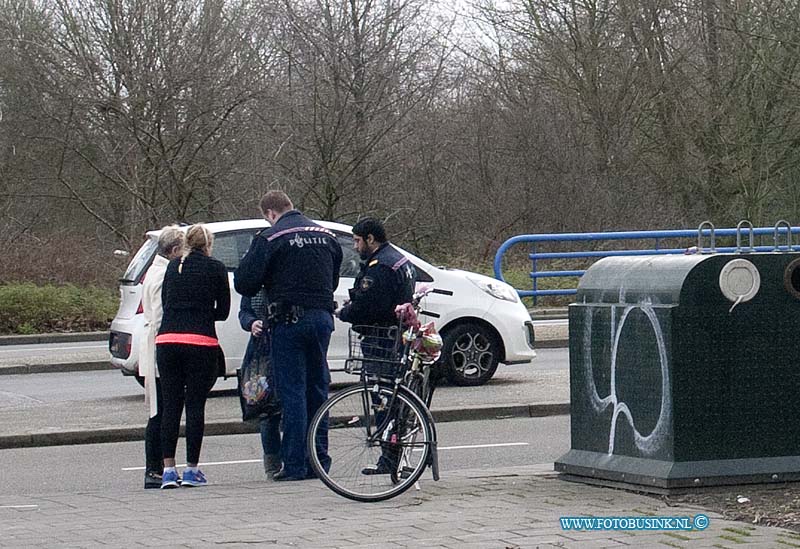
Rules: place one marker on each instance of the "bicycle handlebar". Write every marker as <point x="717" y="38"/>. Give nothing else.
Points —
<point x="408" y="313"/>
<point x="425" y="291"/>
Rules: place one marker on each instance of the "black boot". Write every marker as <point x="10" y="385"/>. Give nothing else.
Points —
<point x="152" y="480"/>
<point x="272" y="464"/>
<point x="152" y="474"/>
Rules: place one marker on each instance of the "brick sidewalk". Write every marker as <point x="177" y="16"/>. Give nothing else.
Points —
<point x="481" y="509"/>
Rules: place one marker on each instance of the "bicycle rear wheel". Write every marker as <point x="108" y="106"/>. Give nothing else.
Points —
<point x="347" y="422"/>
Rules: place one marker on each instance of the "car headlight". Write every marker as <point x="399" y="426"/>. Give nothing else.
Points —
<point x="495" y="288"/>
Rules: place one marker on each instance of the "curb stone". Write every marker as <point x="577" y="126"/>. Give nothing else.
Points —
<point x="95" y="365"/>
<point x="65" y="337"/>
<point x="217" y="428"/>
<point x="59" y="367"/>
<point x="551" y="344"/>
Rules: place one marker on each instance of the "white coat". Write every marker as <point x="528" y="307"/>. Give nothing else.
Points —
<point x="153" y="311"/>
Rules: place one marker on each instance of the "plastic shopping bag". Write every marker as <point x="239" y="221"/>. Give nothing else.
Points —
<point x="256" y="387"/>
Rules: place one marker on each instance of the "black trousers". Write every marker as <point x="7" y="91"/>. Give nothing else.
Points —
<point x="152" y="435"/>
<point x="188" y="372"/>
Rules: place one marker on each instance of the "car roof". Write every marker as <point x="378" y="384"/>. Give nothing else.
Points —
<point x="225" y="226"/>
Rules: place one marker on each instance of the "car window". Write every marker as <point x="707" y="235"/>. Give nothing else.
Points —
<point x="351" y="262"/>
<point x="422" y="276"/>
<point x="230" y="247"/>
<point x="140" y="262"/>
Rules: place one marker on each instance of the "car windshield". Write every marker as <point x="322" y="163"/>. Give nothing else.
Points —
<point x="140" y="262"/>
<point x="351" y="263"/>
<point x="231" y="246"/>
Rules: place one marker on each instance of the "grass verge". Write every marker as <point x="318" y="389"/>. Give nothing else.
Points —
<point x="29" y="309"/>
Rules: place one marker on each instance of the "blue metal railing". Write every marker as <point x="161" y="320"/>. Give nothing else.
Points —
<point x="782" y="230"/>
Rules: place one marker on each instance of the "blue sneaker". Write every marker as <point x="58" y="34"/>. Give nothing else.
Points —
<point x="194" y="478"/>
<point x="170" y="479"/>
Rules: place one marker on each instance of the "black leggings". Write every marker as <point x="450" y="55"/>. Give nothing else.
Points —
<point x="187" y="374"/>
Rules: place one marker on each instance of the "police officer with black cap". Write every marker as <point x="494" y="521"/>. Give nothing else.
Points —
<point x="298" y="262"/>
<point x="386" y="280"/>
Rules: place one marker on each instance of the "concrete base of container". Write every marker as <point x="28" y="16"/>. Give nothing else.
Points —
<point x="660" y="476"/>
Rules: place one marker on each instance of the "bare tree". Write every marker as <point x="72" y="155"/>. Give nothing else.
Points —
<point x="355" y="71"/>
<point x="147" y="95"/>
<point x="25" y="169"/>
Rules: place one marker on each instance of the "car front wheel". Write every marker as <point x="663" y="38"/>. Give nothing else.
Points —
<point x="470" y="354"/>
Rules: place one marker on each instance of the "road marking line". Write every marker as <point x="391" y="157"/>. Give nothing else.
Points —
<point x="482" y="446"/>
<point x="18" y="506"/>
<point x="203" y="464"/>
<point x="243" y="461"/>
<point x="19" y="396"/>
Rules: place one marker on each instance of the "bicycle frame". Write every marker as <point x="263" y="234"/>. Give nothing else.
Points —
<point x="399" y="381"/>
<point x="388" y="436"/>
<point x="380" y="431"/>
<point x="411" y="366"/>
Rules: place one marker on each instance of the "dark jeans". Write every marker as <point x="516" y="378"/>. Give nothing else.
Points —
<point x="187" y="374"/>
<point x="152" y="435"/>
<point x="270" y="427"/>
<point x="380" y="343"/>
<point x="299" y="360"/>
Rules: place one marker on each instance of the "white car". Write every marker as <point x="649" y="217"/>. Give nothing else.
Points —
<point x="482" y="323"/>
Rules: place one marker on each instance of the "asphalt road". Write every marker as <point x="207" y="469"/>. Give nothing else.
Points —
<point x="79" y="386"/>
<point x="487" y="444"/>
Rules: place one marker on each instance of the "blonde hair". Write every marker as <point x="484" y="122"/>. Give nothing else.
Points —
<point x="171" y="237"/>
<point x="198" y="238"/>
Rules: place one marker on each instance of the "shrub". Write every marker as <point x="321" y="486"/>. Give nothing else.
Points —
<point x="27" y="308"/>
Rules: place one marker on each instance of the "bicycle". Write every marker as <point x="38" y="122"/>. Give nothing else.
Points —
<point x="379" y="435"/>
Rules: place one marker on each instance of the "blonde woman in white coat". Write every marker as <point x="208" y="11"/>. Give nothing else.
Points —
<point x="171" y="243"/>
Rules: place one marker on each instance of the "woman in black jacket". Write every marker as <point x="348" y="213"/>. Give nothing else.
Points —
<point x="195" y="294"/>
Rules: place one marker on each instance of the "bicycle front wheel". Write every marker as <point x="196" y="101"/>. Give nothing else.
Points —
<point x="420" y="384"/>
<point x="363" y="464"/>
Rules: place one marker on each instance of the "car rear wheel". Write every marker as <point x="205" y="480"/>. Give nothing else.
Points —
<point x="470" y="354"/>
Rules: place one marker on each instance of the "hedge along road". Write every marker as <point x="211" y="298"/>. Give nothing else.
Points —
<point x="86" y="407"/>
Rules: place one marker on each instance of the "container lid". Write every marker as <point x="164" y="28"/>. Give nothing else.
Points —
<point x="739" y="280"/>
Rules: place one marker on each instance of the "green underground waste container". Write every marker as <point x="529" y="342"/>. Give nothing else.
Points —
<point x="685" y="371"/>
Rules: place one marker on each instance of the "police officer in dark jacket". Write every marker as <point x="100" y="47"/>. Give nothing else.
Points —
<point x="298" y="262"/>
<point x="386" y="280"/>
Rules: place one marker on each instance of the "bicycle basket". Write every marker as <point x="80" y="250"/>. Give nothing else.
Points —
<point x="374" y="350"/>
